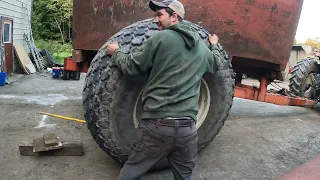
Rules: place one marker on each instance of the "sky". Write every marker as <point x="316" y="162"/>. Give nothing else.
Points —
<point x="309" y="24"/>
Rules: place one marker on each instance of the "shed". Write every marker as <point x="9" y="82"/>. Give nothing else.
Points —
<point x="14" y="18"/>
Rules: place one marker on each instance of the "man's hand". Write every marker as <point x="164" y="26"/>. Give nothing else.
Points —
<point x="111" y="48"/>
<point x="213" y="39"/>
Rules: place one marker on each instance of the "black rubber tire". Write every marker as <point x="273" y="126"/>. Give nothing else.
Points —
<point x="299" y="75"/>
<point x="109" y="96"/>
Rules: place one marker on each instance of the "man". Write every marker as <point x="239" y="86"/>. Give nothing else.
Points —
<point x="175" y="60"/>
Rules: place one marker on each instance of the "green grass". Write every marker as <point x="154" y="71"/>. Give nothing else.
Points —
<point x="59" y="51"/>
<point x="59" y="57"/>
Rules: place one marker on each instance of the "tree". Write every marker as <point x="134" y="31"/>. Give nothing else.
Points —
<point x="314" y="43"/>
<point x="51" y="20"/>
<point x="62" y="12"/>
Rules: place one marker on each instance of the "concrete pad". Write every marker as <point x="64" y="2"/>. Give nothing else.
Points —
<point x="258" y="141"/>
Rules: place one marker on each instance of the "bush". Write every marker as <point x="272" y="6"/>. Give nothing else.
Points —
<point x="59" y="57"/>
<point x="53" y="46"/>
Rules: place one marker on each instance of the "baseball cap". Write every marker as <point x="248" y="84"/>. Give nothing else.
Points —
<point x="175" y="5"/>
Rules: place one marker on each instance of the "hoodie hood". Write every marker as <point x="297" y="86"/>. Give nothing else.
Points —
<point x="186" y="33"/>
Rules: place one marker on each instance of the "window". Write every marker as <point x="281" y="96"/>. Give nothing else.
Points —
<point x="7" y="33"/>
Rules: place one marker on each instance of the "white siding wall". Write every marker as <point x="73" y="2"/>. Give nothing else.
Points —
<point x="13" y="9"/>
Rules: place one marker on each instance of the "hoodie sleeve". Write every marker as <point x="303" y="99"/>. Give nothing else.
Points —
<point x="214" y="58"/>
<point x="137" y="63"/>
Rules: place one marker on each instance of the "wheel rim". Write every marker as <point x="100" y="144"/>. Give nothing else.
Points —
<point x="204" y="105"/>
<point x="308" y="89"/>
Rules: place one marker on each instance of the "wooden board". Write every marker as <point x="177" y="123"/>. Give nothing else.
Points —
<point x="30" y="68"/>
<point x="39" y="145"/>
<point x="69" y="149"/>
<point x="24" y="59"/>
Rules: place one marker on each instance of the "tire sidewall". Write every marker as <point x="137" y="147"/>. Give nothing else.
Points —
<point x="109" y="98"/>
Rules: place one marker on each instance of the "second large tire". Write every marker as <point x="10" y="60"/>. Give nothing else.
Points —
<point x="303" y="79"/>
<point x="109" y="96"/>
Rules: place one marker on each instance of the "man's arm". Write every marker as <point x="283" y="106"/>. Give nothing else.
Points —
<point x="215" y="56"/>
<point x="137" y="63"/>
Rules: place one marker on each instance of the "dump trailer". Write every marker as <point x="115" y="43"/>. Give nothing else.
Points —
<point x="255" y="38"/>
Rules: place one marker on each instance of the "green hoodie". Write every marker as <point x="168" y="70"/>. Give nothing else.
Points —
<point x="175" y="61"/>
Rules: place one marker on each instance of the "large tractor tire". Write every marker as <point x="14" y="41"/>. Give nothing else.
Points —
<point x="111" y="99"/>
<point x="303" y="79"/>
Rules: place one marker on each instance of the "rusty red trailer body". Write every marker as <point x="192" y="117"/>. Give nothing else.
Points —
<point x="257" y="34"/>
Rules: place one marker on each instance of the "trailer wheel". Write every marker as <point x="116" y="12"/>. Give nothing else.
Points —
<point x="303" y="79"/>
<point x="110" y="98"/>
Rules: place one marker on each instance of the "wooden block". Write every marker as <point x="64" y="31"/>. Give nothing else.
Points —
<point x="39" y="145"/>
<point x="69" y="149"/>
<point x="51" y="139"/>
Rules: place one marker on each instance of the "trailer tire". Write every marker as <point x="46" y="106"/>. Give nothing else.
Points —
<point x="109" y="96"/>
<point x="302" y="80"/>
